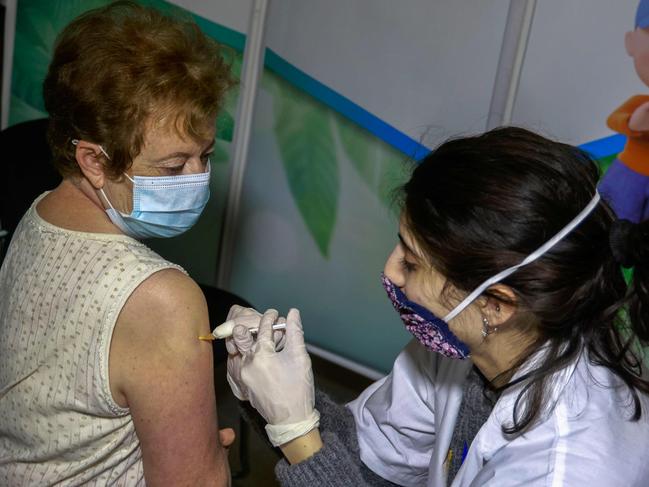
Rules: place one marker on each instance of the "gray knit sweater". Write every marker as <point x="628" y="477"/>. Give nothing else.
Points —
<point x="338" y="463"/>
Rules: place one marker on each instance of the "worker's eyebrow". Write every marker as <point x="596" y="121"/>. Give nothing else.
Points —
<point x="404" y="244"/>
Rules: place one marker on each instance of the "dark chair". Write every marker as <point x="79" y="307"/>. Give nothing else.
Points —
<point x="26" y="177"/>
<point x="219" y="302"/>
<point x="26" y="173"/>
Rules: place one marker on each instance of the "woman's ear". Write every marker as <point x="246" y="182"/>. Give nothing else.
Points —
<point x="91" y="161"/>
<point x="499" y="305"/>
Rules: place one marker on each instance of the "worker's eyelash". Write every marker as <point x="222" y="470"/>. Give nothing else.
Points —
<point x="407" y="266"/>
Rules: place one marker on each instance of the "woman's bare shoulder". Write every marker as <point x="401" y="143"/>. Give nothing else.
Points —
<point x="159" y="326"/>
<point x="167" y="303"/>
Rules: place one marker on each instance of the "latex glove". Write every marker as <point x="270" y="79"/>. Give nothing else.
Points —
<point x="242" y="320"/>
<point x="278" y="383"/>
<point x="247" y="317"/>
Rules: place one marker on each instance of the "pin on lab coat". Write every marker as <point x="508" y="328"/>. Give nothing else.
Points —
<point x="405" y="423"/>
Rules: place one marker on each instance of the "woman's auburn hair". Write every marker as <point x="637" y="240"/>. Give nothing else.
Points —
<point x="117" y="68"/>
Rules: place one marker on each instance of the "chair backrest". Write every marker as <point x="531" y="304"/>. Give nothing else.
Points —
<point x="27" y="170"/>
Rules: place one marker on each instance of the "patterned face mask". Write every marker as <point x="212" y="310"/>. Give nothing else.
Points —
<point x="431" y="331"/>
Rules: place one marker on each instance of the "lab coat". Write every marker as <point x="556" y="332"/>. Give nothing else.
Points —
<point x="405" y="423"/>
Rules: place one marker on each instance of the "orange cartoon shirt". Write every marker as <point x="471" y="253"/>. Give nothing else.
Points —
<point x="636" y="151"/>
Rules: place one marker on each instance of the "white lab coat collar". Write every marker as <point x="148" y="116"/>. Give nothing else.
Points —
<point x="405" y="422"/>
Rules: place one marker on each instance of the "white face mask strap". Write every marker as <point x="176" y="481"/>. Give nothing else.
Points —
<point x="76" y="142"/>
<point x="104" y="152"/>
<point x="529" y="259"/>
<point x="101" y="190"/>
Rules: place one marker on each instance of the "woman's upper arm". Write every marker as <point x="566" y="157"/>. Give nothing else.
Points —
<point x="165" y="375"/>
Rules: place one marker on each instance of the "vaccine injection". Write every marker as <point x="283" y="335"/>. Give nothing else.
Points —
<point x="225" y="331"/>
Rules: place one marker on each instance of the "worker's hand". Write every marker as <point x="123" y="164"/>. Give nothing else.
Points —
<point x="240" y="321"/>
<point x="278" y="383"/>
<point x="247" y="317"/>
<point x="639" y="121"/>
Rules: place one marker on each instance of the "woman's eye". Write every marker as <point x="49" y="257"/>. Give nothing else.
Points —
<point x="407" y="266"/>
<point x="175" y="169"/>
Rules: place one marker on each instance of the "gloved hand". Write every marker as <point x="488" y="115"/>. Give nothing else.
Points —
<point x="248" y="317"/>
<point x="278" y="383"/>
<point x="245" y="319"/>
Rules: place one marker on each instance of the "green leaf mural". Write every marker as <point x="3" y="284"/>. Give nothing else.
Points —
<point x="221" y="154"/>
<point x="382" y="168"/>
<point x="224" y="125"/>
<point x="605" y="162"/>
<point x="225" y="119"/>
<point x="306" y="144"/>
<point x="38" y="22"/>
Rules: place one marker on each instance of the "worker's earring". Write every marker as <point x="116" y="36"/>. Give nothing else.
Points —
<point x="487" y="329"/>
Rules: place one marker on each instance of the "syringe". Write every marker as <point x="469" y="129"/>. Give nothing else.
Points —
<point x="225" y="330"/>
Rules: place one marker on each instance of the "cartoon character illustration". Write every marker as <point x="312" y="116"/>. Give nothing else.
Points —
<point x="626" y="184"/>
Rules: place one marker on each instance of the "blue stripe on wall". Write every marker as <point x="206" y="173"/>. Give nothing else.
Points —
<point x="344" y="106"/>
<point x="605" y="147"/>
<point x="411" y="148"/>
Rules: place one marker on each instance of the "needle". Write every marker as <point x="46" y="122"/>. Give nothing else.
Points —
<point x="225" y="331"/>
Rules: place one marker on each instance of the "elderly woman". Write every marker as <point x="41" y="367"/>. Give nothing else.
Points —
<point x="102" y="378"/>
<point x="506" y="257"/>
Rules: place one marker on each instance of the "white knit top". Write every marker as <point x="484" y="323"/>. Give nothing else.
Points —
<point x="61" y="292"/>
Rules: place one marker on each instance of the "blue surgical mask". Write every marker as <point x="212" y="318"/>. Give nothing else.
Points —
<point x="163" y="206"/>
<point x="433" y="331"/>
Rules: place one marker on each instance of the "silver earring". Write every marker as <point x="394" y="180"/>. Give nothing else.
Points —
<point x="487" y="329"/>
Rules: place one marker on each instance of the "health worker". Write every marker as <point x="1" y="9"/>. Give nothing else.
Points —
<point x="526" y="363"/>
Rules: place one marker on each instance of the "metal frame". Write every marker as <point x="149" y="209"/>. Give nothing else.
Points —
<point x="510" y="64"/>
<point x="253" y="62"/>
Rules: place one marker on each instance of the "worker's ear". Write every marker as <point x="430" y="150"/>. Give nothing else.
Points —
<point x="92" y="162"/>
<point x="498" y="304"/>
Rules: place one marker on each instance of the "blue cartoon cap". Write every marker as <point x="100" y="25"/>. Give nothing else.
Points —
<point x="642" y="15"/>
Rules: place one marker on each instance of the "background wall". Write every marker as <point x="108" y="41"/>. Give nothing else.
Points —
<point x="576" y="69"/>
<point x="352" y="89"/>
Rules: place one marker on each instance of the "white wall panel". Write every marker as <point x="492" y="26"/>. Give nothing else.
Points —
<point x="230" y="13"/>
<point x="417" y="65"/>
<point x="576" y="70"/>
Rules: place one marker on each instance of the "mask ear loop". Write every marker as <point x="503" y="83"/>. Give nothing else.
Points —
<point x="75" y="142"/>
<point x="529" y="259"/>
<point x="104" y="152"/>
<point x="101" y="190"/>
